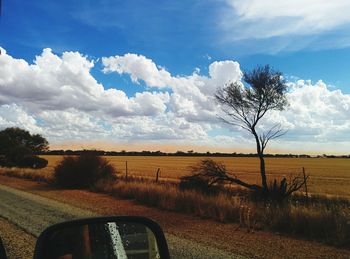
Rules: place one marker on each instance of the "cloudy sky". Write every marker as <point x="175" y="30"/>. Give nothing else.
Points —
<point x="140" y="75"/>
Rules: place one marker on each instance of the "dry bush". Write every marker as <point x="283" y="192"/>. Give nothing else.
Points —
<point x="82" y="171"/>
<point x="205" y="177"/>
<point x="209" y="176"/>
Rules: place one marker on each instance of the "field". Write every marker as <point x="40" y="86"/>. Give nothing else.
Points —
<point x="327" y="176"/>
<point x="319" y="218"/>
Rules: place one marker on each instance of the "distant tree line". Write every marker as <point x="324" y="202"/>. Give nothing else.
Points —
<point x="179" y="153"/>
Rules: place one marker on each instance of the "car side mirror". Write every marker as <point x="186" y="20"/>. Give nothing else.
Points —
<point x="103" y="237"/>
<point x="2" y="250"/>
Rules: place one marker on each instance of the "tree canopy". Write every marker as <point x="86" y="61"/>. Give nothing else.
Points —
<point x="15" y="137"/>
<point x="245" y="104"/>
<point x="18" y="146"/>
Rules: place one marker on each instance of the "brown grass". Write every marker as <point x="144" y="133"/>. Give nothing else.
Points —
<point x="42" y="175"/>
<point x="316" y="220"/>
<point x="169" y="197"/>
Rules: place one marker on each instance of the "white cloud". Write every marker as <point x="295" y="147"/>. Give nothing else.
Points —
<point x="271" y="18"/>
<point x="58" y="97"/>
<point x="13" y="116"/>
<point x="318" y="113"/>
<point x="192" y="96"/>
<point x="61" y="93"/>
<point x="148" y="104"/>
<point x="60" y="83"/>
<point x="138" y="67"/>
<point x="163" y="127"/>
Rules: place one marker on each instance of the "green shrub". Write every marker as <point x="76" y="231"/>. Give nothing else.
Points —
<point x="83" y="171"/>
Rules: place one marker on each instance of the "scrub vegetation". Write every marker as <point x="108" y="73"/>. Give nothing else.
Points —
<point x="320" y="218"/>
<point x="83" y="171"/>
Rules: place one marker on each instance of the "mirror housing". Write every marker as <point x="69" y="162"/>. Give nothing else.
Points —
<point x="2" y="250"/>
<point x="119" y="237"/>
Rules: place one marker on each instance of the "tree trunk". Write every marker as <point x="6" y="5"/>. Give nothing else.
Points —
<point x="262" y="172"/>
<point x="262" y="161"/>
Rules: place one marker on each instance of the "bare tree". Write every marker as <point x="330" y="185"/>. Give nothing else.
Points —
<point x="245" y="105"/>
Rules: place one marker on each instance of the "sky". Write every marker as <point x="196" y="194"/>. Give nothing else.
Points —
<point x="142" y="75"/>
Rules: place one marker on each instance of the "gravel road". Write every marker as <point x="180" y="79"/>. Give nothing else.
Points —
<point x="34" y="213"/>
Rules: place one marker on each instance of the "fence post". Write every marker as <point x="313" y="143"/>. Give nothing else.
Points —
<point x="305" y="182"/>
<point x="157" y="175"/>
<point x="126" y="170"/>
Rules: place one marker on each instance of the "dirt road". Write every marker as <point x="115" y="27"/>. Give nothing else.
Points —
<point x="33" y="213"/>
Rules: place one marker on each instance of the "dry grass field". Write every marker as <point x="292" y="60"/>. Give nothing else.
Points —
<point x="327" y="176"/>
<point x="320" y="218"/>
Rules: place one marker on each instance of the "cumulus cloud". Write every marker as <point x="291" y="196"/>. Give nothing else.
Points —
<point x="192" y="96"/>
<point x="139" y="67"/>
<point x="315" y="113"/>
<point x="318" y="113"/>
<point x="60" y="83"/>
<point x="13" y="116"/>
<point x="163" y="127"/>
<point x="61" y="94"/>
<point x="58" y="97"/>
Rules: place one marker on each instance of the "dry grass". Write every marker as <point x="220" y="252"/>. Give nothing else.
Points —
<point x="319" y="220"/>
<point x="327" y="176"/>
<point x="42" y="175"/>
<point x="169" y="197"/>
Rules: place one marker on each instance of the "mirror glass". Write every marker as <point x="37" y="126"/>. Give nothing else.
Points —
<point x="102" y="240"/>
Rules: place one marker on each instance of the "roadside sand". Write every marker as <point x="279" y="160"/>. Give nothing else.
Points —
<point x="18" y="243"/>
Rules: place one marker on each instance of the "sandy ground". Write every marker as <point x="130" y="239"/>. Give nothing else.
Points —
<point x="17" y="242"/>
<point x="226" y="237"/>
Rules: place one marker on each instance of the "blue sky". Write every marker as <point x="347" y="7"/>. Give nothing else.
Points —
<point x="177" y="34"/>
<point x="306" y="41"/>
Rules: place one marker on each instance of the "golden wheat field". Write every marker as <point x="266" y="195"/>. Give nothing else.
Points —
<point x="327" y="176"/>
